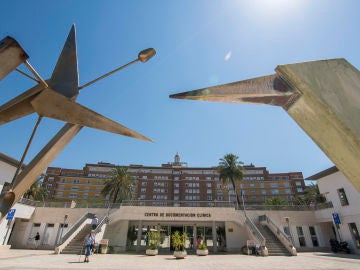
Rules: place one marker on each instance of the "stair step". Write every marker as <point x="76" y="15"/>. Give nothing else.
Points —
<point x="274" y="246"/>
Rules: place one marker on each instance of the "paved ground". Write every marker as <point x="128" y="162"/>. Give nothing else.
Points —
<point x="39" y="259"/>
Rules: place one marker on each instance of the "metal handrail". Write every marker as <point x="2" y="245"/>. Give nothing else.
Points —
<point x="76" y="226"/>
<point x="278" y="230"/>
<point x="105" y="220"/>
<point x="255" y="231"/>
<point x="225" y="204"/>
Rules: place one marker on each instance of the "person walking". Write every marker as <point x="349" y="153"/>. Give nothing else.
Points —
<point x="37" y="240"/>
<point x="89" y="241"/>
<point x="94" y="222"/>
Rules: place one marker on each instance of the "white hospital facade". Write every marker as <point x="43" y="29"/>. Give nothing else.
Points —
<point x="224" y="227"/>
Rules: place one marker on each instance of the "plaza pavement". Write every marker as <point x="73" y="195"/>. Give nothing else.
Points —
<point x="40" y="259"/>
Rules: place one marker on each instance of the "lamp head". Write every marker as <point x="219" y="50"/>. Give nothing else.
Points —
<point x="146" y="54"/>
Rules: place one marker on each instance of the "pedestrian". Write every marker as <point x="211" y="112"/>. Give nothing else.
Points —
<point x="37" y="240"/>
<point x="198" y="240"/>
<point x="89" y="241"/>
<point x="94" y="222"/>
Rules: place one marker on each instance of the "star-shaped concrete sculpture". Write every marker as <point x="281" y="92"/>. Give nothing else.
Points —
<point x="54" y="98"/>
<point x="323" y="97"/>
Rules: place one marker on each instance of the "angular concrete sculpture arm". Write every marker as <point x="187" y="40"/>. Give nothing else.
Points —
<point x="323" y="97"/>
<point x="54" y="98"/>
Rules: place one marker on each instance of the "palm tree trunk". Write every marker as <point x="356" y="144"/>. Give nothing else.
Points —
<point x="116" y="195"/>
<point x="236" y="193"/>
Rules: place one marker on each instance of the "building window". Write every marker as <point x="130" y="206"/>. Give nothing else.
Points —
<point x="287" y="231"/>
<point x="301" y="236"/>
<point x="143" y="190"/>
<point x="355" y="234"/>
<point x="287" y="191"/>
<point x="209" y="198"/>
<point x="275" y="191"/>
<point x="273" y="185"/>
<point x="176" y="191"/>
<point x="208" y="185"/>
<point x="298" y="183"/>
<point x="313" y="236"/>
<point x="299" y="190"/>
<point x="342" y="195"/>
<point x="176" y="185"/>
<point x="144" y="184"/>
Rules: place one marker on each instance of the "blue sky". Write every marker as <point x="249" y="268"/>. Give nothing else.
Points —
<point x="199" y="44"/>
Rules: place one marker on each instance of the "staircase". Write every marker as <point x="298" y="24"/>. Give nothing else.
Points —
<point x="77" y="244"/>
<point x="274" y="246"/>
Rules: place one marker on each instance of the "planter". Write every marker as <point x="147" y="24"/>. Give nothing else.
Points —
<point x="180" y="254"/>
<point x="151" y="252"/>
<point x="202" y="252"/>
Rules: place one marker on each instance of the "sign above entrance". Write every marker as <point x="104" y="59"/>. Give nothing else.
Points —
<point x="164" y="214"/>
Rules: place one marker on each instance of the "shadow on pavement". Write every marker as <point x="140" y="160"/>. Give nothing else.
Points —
<point x="340" y="255"/>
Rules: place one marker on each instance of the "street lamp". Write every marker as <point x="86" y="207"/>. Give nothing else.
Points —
<point x="287" y="219"/>
<point x="62" y="229"/>
<point x="143" y="56"/>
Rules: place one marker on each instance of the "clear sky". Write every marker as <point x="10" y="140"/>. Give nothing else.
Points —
<point x="199" y="44"/>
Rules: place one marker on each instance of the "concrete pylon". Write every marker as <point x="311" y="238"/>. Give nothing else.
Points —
<point x="323" y="97"/>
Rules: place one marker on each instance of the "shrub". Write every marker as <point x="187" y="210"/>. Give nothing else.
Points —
<point x="202" y="246"/>
<point x="154" y="239"/>
<point x="178" y="240"/>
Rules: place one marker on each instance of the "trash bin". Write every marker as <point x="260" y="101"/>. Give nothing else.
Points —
<point x="104" y="243"/>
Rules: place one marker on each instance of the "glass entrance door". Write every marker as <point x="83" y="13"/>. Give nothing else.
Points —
<point x="165" y="239"/>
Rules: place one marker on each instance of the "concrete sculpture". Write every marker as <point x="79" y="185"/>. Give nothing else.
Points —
<point x="54" y="98"/>
<point x="323" y="97"/>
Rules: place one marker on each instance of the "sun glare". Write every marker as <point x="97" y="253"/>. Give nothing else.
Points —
<point x="275" y="8"/>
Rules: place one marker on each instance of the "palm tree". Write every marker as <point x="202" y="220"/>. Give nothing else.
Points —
<point x="230" y="169"/>
<point x="36" y="191"/>
<point x="119" y="185"/>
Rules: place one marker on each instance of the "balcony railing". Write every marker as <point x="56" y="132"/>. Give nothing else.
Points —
<point x="169" y="203"/>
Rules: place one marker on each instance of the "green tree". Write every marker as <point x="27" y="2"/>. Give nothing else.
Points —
<point x="276" y="201"/>
<point x="311" y="196"/>
<point x="230" y="169"/>
<point x="37" y="191"/>
<point x="119" y="185"/>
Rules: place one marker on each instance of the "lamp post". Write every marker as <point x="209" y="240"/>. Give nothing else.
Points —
<point x="143" y="56"/>
<point x="287" y="219"/>
<point x="62" y="229"/>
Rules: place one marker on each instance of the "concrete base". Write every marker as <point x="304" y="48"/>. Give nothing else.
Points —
<point x="5" y="247"/>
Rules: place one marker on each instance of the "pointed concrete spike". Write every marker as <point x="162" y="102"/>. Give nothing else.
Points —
<point x="262" y="90"/>
<point x="65" y="78"/>
<point x="19" y="106"/>
<point x="53" y="105"/>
